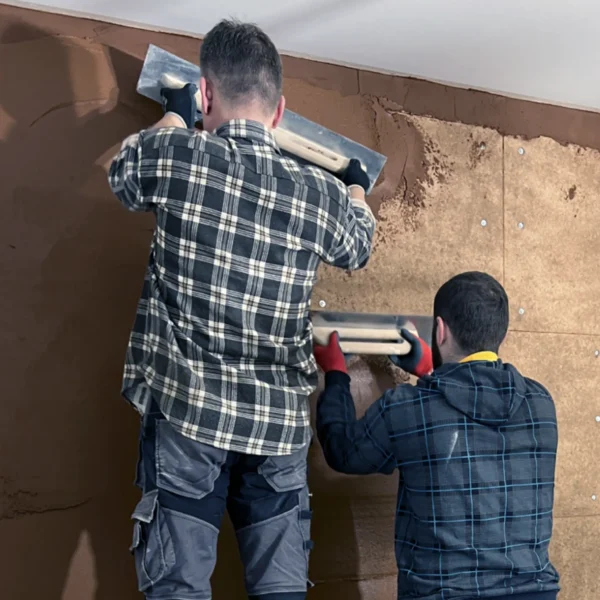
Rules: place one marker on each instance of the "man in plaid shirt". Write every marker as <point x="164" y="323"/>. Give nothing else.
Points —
<point x="475" y="443"/>
<point x="220" y="361"/>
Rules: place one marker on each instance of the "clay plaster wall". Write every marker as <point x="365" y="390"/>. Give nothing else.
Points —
<point x="72" y="260"/>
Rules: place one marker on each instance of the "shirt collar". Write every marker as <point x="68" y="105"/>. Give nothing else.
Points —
<point x="488" y="356"/>
<point x="247" y="130"/>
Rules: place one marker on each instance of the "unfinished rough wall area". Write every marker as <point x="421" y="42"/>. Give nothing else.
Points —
<point x="452" y="197"/>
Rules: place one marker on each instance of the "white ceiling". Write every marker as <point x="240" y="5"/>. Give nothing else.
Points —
<point x="546" y="50"/>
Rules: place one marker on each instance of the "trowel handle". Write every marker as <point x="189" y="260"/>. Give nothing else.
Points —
<point x="354" y="340"/>
<point x="400" y="348"/>
<point x="322" y="333"/>
<point x="310" y="151"/>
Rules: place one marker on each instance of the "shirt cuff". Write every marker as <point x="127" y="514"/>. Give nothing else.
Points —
<point x="131" y="141"/>
<point x="337" y="378"/>
<point x="362" y="204"/>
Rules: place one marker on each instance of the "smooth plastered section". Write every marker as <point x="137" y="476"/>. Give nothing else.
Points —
<point x="71" y="267"/>
<point x="76" y="553"/>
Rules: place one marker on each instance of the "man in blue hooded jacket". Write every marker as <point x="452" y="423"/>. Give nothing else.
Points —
<point x="475" y="443"/>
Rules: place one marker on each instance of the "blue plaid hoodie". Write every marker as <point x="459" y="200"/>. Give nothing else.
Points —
<point x="475" y="444"/>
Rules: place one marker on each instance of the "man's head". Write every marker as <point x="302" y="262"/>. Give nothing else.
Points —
<point x="470" y="314"/>
<point x="242" y="76"/>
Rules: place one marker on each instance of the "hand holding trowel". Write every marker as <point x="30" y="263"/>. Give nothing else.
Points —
<point x="376" y="334"/>
<point x="415" y="357"/>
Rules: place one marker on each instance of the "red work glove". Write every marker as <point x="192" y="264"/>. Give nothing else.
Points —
<point x="330" y="357"/>
<point x="418" y="361"/>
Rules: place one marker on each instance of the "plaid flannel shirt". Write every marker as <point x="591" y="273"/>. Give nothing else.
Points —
<point x="475" y="444"/>
<point x="222" y="341"/>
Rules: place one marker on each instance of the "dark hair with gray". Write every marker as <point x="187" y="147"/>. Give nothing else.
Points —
<point x="243" y="62"/>
<point x="475" y="307"/>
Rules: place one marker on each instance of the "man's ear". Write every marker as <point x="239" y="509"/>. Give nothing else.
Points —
<point x="206" y="92"/>
<point x="278" y="112"/>
<point x="441" y="331"/>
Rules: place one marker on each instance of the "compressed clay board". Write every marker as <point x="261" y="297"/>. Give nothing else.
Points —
<point x="574" y="553"/>
<point x="71" y="269"/>
<point x="439" y="210"/>
<point x="552" y="244"/>
<point x="567" y="366"/>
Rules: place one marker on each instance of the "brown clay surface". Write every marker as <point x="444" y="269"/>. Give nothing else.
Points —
<point x="72" y="261"/>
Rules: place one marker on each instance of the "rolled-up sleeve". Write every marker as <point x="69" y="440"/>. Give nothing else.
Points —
<point x="353" y="236"/>
<point x="124" y="175"/>
<point x="352" y="446"/>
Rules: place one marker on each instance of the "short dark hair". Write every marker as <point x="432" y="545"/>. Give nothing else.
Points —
<point x="475" y="307"/>
<point x="243" y="61"/>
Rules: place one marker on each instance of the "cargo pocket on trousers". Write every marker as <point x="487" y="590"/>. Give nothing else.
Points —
<point x="152" y="546"/>
<point x="184" y="466"/>
<point x="286" y="473"/>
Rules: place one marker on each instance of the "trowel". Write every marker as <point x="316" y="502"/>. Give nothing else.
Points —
<point x="307" y="142"/>
<point x="363" y="333"/>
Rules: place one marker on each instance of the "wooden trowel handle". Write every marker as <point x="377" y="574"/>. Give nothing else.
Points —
<point x="377" y="348"/>
<point x="321" y="334"/>
<point x="293" y="143"/>
<point x="310" y="151"/>
<point x="355" y="340"/>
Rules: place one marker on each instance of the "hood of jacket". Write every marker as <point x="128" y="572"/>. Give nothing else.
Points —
<point x="488" y="392"/>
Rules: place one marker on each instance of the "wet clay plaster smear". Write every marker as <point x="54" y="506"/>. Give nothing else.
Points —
<point x="451" y="198"/>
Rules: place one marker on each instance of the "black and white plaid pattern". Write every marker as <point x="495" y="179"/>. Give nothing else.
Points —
<point x="222" y="340"/>
<point x="475" y="444"/>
